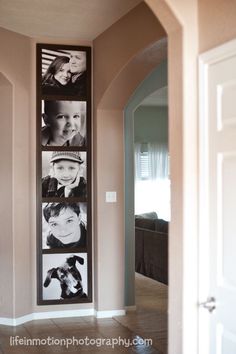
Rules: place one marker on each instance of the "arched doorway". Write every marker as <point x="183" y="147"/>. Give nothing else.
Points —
<point x="109" y="106"/>
<point x="154" y="81"/>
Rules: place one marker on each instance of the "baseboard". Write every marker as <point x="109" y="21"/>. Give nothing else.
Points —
<point x="131" y="308"/>
<point x="16" y="321"/>
<point x="63" y="314"/>
<point x="109" y="314"/>
<point x="59" y="314"/>
<point x="45" y="315"/>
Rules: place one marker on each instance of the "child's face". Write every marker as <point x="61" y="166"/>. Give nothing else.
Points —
<point x="64" y="120"/>
<point x="63" y="75"/>
<point x="65" y="227"/>
<point x="65" y="171"/>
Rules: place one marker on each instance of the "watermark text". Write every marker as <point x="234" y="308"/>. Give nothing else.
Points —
<point x="83" y="341"/>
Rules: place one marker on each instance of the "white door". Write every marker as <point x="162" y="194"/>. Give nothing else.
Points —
<point x="217" y="163"/>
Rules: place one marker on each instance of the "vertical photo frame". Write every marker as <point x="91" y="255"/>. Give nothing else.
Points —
<point x="63" y="136"/>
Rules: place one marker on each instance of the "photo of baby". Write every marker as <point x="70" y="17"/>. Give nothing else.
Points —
<point x="64" y="174"/>
<point x="64" y="225"/>
<point x="64" y="276"/>
<point x="63" y="123"/>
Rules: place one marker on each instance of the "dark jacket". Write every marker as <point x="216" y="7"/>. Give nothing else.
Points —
<point x="53" y="242"/>
<point x="53" y="87"/>
<point x="50" y="184"/>
<point x="78" y="86"/>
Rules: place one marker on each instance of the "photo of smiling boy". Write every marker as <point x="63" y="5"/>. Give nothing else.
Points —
<point x="64" y="174"/>
<point x="64" y="225"/>
<point x="64" y="123"/>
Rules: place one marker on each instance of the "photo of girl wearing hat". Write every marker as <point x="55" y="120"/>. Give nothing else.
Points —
<point x="67" y="174"/>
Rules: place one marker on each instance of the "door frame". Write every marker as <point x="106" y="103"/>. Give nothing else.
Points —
<point x="206" y="60"/>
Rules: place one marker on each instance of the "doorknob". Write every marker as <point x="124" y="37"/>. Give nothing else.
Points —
<point x="209" y="304"/>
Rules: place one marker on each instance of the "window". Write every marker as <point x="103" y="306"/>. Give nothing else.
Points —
<point x="144" y="165"/>
<point x="152" y="184"/>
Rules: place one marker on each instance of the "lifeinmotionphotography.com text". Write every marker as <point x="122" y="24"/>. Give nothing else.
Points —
<point x="85" y="341"/>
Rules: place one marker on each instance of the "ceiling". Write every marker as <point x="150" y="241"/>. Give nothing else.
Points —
<point x="157" y="98"/>
<point x="73" y="19"/>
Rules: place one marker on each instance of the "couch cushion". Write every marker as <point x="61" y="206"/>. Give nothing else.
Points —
<point x="155" y="256"/>
<point x="161" y="225"/>
<point x="145" y="223"/>
<point x="150" y="215"/>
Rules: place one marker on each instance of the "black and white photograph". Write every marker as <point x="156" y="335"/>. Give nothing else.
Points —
<point x="64" y="174"/>
<point x="64" y="225"/>
<point x="64" y="242"/>
<point x="64" y="72"/>
<point x="63" y="123"/>
<point x="65" y="276"/>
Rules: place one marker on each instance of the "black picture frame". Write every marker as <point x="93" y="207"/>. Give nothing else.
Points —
<point x="64" y="123"/>
<point x="63" y="138"/>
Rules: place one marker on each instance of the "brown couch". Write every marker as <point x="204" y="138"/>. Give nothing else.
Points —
<point x="151" y="247"/>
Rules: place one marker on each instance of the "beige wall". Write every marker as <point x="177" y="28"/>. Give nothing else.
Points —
<point x="180" y="21"/>
<point x="109" y="261"/>
<point x="217" y="19"/>
<point x="15" y="66"/>
<point x="18" y="194"/>
<point x="118" y="68"/>
<point x="114" y="51"/>
<point x="6" y="215"/>
<point x="120" y="43"/>
<point x="116" y="48"/>
<point x="33" y="203"/>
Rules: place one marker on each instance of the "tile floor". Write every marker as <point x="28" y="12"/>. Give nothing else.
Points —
<point x="148" y="321"/>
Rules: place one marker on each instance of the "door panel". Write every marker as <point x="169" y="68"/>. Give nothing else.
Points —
<point x="217" y="238"/>
<point x="228" y="234"/>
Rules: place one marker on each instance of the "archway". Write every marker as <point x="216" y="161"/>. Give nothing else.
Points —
<point x="180" y="23"/>
<point x="154" y="81"/>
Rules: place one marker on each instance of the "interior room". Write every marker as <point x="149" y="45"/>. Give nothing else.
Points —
<point x="176" y="47"/>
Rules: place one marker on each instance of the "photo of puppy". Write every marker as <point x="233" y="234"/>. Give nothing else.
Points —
<point x="66" y="278"/>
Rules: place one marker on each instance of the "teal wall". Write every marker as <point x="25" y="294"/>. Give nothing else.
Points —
<point x="151" y="124"/>
<point x="153" y="82"/>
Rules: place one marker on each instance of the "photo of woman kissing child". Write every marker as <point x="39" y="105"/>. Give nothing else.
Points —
<point x="64" y="174"/>
<point x="64" y="72"/>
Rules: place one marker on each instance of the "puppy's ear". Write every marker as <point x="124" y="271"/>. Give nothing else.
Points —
<point x="52" y="273"/>
<point x="79" y="259"/>
<point x="79" y="275"/>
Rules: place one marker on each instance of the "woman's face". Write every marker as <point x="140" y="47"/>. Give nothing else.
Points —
<point x="63" y="75"/>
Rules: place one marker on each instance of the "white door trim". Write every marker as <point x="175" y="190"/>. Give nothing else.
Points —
<point x="206" y="60"/>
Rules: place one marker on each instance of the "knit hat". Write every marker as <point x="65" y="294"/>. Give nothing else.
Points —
<point x="66" y="155"/>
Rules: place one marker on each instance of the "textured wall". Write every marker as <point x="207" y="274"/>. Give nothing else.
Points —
<point x="216" y="20"/>
<point x="15" y="64"/>
<point x="151" y="124"/>
<point x="123" y="56"/>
